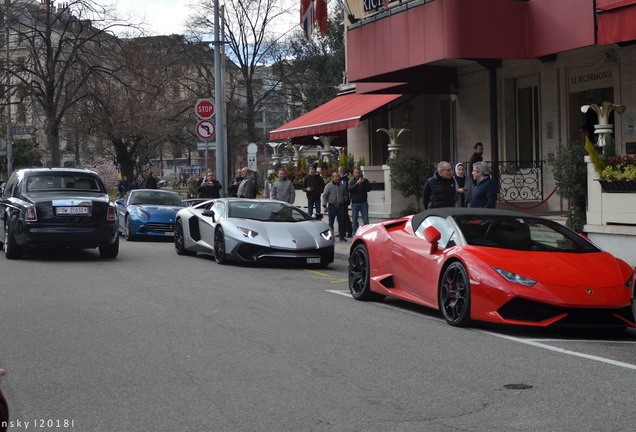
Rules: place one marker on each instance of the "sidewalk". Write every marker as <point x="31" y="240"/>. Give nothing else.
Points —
<point x="342" y="250"/>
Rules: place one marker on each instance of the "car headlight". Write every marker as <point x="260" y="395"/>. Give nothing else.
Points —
<point x="139" y="213"/>
<point x="247" y="232"/>
<point x="327" y="235"/>
<point x="515" y="278"/>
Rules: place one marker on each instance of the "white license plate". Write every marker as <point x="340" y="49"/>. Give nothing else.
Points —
<point x="71" y="210"/>
<point x="313" y="260"/>
<point x="169" y="233"/>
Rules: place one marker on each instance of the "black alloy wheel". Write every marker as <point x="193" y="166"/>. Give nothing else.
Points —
<point x="110" y="251"/>
<point x="179" y="239"/>
<point x="360" y="275"/>
<point x="219" y="246"/>
<point x="127" y="233"/>
<point x="454" y="295"/>
<point x="11" y="248"/>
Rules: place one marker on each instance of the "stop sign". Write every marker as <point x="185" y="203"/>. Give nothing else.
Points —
<point x="204" y="108"/>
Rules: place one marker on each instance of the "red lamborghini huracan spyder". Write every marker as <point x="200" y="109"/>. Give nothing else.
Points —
<point x="494" y="266"/>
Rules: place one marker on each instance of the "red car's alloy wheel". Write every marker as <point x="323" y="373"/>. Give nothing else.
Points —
<point x="454" y="295"/>
<point x="359" y="275"/>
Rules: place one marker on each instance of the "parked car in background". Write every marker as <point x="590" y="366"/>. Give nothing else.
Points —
<point x="253" y="231"/>
<point x="57" y="208"/>
<point x="493" y="266"/>
<point x="148" y="213"/>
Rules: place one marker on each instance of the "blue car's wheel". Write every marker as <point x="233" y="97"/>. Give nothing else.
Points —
<point x="454" y="295"/>
<point x="219" y="246"/>
<point x="127" y="232"/>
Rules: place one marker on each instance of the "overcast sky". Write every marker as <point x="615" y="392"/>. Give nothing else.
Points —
<point x="164" y="17"/>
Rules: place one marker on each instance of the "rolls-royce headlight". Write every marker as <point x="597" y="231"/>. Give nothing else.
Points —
<point x="326" y="234"/>
<point x="247" y="232"/>
<point x="515" y="278"/>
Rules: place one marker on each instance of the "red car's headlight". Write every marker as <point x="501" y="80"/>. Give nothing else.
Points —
<point x="515" y="278"/>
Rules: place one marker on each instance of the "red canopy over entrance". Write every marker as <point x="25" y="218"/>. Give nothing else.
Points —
<point x="616" y="21"/>
<point x="341" y="113"/>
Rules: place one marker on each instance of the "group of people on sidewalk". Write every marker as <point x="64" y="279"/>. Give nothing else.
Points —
<point x="122" y="185"/>
<point x="335" y="197"/>
<point x="458" y="189"/>
<point x="243" y="185"/>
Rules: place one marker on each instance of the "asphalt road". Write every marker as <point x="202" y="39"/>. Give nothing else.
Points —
<point x="155" y="341"/>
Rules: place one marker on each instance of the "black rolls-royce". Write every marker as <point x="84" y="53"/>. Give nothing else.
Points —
<point x="57" y="208"/>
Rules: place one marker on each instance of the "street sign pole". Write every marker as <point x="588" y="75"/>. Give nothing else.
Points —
<point x="219" y="97"/>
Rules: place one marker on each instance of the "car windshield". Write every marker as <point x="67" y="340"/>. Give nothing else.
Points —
<point x="266" y="211"/>
<point x="521" y="233"/>
<point x="47" y="182"/>
<point x="157" y="198"/>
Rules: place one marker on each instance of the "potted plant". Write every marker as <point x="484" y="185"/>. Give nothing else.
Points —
<point x="616" y="173"/>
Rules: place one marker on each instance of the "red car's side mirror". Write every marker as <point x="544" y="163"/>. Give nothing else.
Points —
<point x="432" y="235"/>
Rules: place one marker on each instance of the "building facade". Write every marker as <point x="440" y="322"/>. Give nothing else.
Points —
<point x="514" y="78"/>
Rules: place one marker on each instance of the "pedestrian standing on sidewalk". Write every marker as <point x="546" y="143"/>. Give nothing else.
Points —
<point x="283" y="188"/>
<point x="485" y="193"/>
<point x="313" y="186"/>
<point x="344" y="180"/>
<point x="359" y="187"/>
<point x="439" y="190"/>
<point x="333" y="201"/>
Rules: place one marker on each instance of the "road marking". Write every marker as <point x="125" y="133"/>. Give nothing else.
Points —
<point x="327" y="276"/>
<point x="564" y="351"/>
<point x="530" y="342"/>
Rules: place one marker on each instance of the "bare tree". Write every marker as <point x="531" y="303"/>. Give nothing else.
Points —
<point x="250" y="31"/>
<point x="147" y="102"/>
<point x="54" y="49"/>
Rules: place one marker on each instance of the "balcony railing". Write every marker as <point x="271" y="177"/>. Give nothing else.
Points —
<point x="520" y="180"/>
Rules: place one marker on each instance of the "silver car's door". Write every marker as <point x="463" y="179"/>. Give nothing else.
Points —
<point x="207" y="223"/>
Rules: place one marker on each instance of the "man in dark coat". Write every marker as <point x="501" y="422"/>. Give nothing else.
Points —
<point x="313" y="186"/>
<point x="210" y="187"/>
<point x="439" y="190"/>
<point x="485" y="192"/>
<point x="151" y="182"/>
<point x="478" y="156"/>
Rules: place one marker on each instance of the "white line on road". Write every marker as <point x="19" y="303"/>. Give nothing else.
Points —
<point x="519" y="340"/>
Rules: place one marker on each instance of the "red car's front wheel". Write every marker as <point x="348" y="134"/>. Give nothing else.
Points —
<point x="454" y="295"/>
<point x="360" y="275"/>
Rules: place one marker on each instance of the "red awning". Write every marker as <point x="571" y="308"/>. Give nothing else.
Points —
<point x="341" y="113"/>
<point x="616" y="20"/>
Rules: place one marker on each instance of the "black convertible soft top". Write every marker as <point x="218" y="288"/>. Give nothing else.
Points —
<point x="445" y="212"/>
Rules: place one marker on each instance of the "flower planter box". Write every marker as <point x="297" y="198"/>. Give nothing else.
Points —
<point x="617" y="186"/>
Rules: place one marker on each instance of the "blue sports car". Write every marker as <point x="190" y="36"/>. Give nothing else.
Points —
<point x="148" y="212"/>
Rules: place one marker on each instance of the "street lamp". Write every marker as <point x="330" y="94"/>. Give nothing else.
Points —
<point x="7" y="4"/>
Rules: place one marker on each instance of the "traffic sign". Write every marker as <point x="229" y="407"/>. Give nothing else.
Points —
<point x="205" y="130"/>
<point x="206" y="146"/>
<point x="204" y="108"/>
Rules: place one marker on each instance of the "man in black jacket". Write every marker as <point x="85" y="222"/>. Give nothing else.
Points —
<point x="313" y="185"/>
<point x="210" y="187"/>
<point x="359" y="188"/>
<point x="439" y="190"/>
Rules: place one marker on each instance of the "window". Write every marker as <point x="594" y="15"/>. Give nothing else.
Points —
<point x="445" y="228"/>
<point x="527" y="92"/>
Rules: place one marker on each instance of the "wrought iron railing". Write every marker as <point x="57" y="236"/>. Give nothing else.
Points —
<point x="520" y="180"/>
